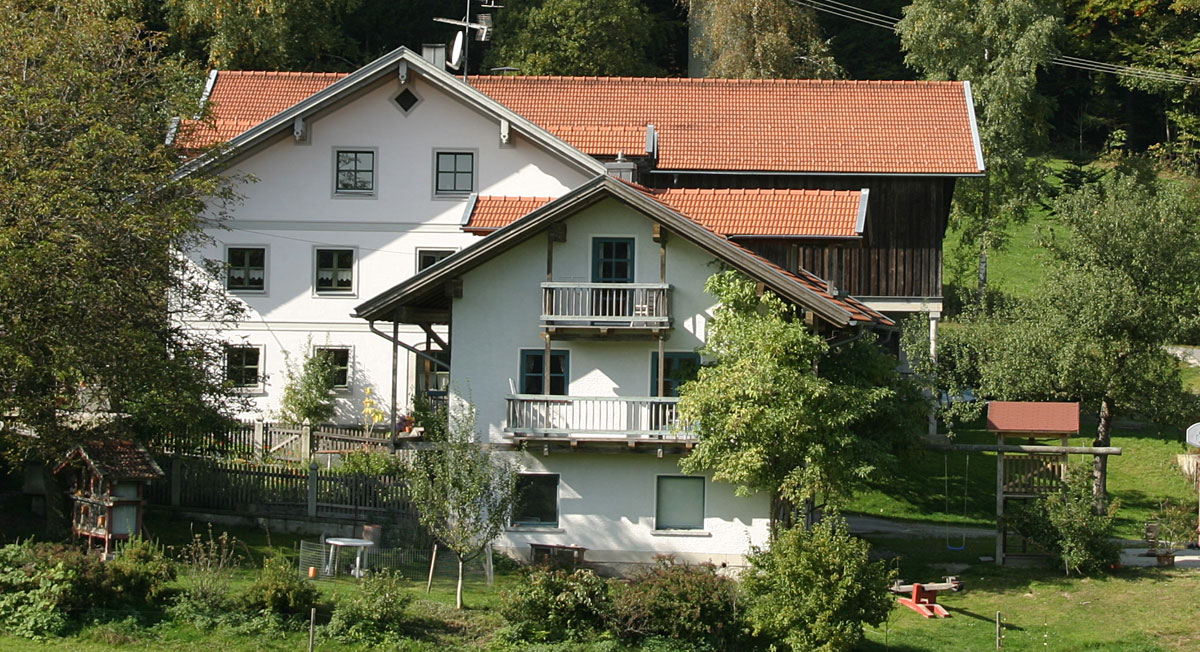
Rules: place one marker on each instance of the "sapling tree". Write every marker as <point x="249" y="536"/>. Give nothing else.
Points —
<point x="782" y="410"/>
<point x="462" y="491"/>
<point x="306" y="390"/>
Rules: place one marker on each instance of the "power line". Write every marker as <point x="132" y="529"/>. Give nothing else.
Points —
<point x="876" y="19"/>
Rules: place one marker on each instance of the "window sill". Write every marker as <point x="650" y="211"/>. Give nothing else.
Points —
<point x="327" y="294"/>
<point x="535" y="528"/>
<point x="250" y="391"/>
<point x="680" y="533"/>
<point x="241" y="292"/>
<point x="343" y="194"/>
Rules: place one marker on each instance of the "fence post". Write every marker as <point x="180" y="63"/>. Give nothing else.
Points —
<point x="312" y="487"/>
<point x="306" y="440"/>
<point x="260" y="443"/>
<point x="176" y="482"/>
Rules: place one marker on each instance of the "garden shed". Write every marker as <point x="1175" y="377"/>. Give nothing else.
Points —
<point x="108" y="486"/>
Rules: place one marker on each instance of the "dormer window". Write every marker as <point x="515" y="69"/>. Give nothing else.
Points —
<point x="354" y="172"/>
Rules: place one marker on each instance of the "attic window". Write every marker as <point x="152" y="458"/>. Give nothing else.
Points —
<point x="406" y="100"/>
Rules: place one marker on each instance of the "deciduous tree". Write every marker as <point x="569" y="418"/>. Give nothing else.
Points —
<point x="760" y="39"/>
<point x="93" y="286"/>
<point x="782" y="410"/>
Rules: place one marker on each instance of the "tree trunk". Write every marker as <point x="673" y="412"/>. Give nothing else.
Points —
<point x="458" y="602"/>
<point x="985" y="237"/>
<point x="1100" y="462"/>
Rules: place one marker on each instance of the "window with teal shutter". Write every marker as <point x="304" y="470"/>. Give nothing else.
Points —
<point x="679" y="367"/>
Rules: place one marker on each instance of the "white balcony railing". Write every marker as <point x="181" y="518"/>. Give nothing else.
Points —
<point x="585" y="417"/>
<point x="621" y="305"/>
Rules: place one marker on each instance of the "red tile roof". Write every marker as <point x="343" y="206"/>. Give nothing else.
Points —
<point x="734" y="124"/>
<point x="730" y="212"/>
<point x="241" y="99"/>
<point x="117" y="459"/>
<point x="1014" y="416"/>
<point x="865" y="127"/>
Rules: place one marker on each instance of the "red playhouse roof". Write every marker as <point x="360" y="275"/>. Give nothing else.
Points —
<point x="1020" y="416"/>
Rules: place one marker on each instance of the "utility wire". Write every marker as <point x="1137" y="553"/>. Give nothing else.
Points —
<point x="876" y="19"/>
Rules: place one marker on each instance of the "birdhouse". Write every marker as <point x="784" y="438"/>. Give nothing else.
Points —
<point x="108" y="486"/>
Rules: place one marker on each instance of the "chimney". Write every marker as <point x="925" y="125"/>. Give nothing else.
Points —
<point x="622" y="169"/>
<point x="435" y="53"/>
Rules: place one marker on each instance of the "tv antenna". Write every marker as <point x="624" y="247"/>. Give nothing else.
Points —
<point x="483" y="32"/>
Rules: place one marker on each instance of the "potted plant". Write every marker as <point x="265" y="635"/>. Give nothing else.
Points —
<point x="1176" y="528"/>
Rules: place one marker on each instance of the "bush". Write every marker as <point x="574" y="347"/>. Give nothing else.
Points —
<point x="33" y="592"/>
<point x="814" y="589"/>
<point x="555" y="604"/>
<point x="279" y="589"/>
<point x="369" y="461"/>
<point x="686" y="603"/>
<point x="210" y="562"/>
<point x="1067" y="526"/>
<point x="140" y="573"/>
<point x="375" y="611"/>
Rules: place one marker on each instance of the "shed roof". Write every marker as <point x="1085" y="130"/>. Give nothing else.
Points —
<point x="1021" y="416"/>
<point x="117" y="459"/>
<point x="763" y="212"/>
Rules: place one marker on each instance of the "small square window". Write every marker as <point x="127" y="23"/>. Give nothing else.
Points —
<point x="679" y="503"/>
<point x="246" y="268"/>
<point x="335" y="271"/>
<point x="243" y="366"/>
<point x="355" y="173"/>
<point x="537" y="500"/>
<point x="406" y="100"/>
<point x="339" y="357"/>
<point x="455" y="173"/>
<point x="427" y="258"/>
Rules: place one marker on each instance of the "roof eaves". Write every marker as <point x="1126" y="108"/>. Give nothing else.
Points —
<point x="818" y="173"/>
<point x="974" y="127"/>
<point x="860" y="224"/>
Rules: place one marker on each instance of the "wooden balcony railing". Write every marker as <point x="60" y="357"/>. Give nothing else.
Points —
<point x="1033" y="475"/>
<point x="585" y="417"/>
<point x="620" y="305"/>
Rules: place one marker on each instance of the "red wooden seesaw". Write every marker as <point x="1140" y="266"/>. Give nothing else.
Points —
<point x="924" y="596"/>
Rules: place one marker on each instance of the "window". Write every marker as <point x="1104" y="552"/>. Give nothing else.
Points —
<point x="243" y="366"/>
<point x="354" y="172"/>
<point x="612" y="260"/>
<point x="246" y="268"/>
<point x="678" y="368"/>
<point x="679" y="503"/>
<point x="339" y="357"/>
<point x="454" y="173"/>
<point x="537" y="500"/>
<point x="406" y="100"/>
<point x="335" y="270"/>
<point x="427" y="258"/>
<point x="532" y="370"/>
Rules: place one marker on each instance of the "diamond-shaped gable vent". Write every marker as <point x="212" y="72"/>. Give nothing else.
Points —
<point x="407" y="100"/>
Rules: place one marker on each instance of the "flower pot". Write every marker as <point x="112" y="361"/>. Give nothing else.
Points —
<point x="1166" y="559"/>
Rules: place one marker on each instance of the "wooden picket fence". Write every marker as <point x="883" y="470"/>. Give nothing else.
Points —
<point x="269" y="441"/>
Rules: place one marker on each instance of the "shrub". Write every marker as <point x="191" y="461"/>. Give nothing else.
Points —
<point x="555" y="604"/>
<point x="140" y="573"/>
<point x="814" y="589"/>
<point x="210" y="562"/>
<point x="686" y="603"/>
<point x="279" y="589"/>
<point x="33" y="592"/>
<point x="367" y="461"/>
<point x="1068" y="527"/>
<point x="375" y="611"/>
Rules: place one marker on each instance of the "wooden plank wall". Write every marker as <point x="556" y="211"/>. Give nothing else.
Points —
<point x="901" y="252"/>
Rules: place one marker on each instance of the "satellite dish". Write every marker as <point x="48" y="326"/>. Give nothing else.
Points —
<point x="456" y="51"/>
<point x="1193" y="435"/>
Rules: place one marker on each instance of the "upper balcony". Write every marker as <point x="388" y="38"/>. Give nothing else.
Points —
<point x="603" y="307"/>
<point x="613" y="419"/>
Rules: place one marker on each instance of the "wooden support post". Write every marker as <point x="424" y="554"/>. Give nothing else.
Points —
<point x="546" y="366"/>
<point x="312" y="489"/>
<point x="661" y="366"/>
<point x="1000" y="529"/>
<point x="305" y="440"/>
<point x="432" y="561"/>
<point x="260" y="444"/>
<point x="395" y="373"/>
<point x="176" y="479"/>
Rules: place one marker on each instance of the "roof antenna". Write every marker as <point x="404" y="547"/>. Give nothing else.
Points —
<point x="483" y="32"/>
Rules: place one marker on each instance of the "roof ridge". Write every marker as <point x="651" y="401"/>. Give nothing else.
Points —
<point x="281" y="73"/>
<point x="721" y="81"/>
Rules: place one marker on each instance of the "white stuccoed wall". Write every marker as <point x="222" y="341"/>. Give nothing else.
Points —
<point x="607" y="501"/>
<point x="291" y="210"/>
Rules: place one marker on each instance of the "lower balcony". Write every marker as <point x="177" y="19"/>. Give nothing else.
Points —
<point x="631" y="420"/>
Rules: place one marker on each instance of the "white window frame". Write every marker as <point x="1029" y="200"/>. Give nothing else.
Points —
<point x="355" y="194"/>
<point x="355" y="280"/>
<point x="455" y="194"/>
<point x="420" y="250"/>
<point x="266" y="269"/>
<point x="339" y="389"/>
<point x="260" y="387"/>
<point x="694" y="531"/>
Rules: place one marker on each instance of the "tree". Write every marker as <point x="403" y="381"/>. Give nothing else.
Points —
<point x="815" y="588"/>
<point x="306" y="392"/>
<point x="760" y="39"/>
<point x="463" y="493"/>
<point x="1124" y="256"/>
<point x="573" y="37"/>
<point x="262" y="34"/>
<point x="94" y="289"/>
<point x="999" y="46"/>
<point x="781" y="410"/>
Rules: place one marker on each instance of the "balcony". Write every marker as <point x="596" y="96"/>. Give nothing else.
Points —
<point x="606" y="306"/>
<point x="644" y="419"/>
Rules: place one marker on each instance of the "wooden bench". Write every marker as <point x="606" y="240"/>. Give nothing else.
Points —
<point x="555" y="554"/>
